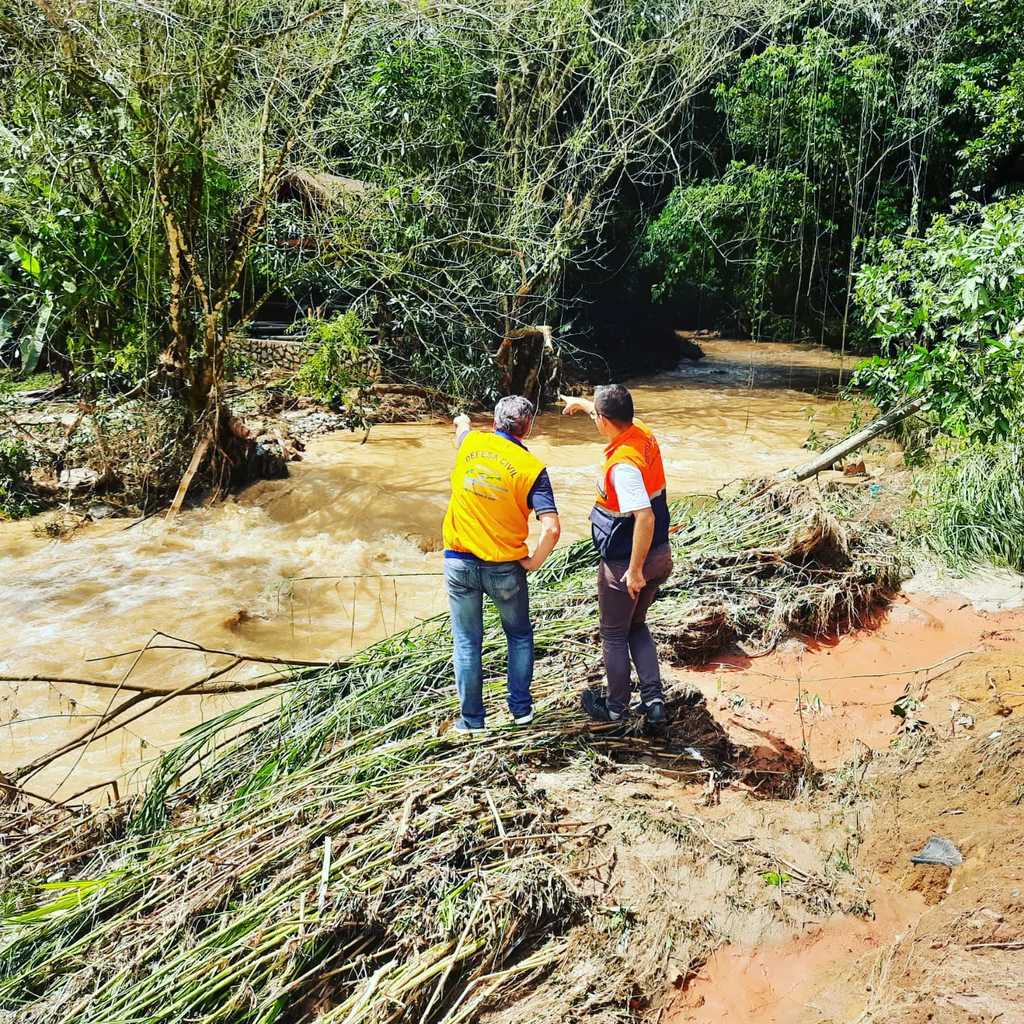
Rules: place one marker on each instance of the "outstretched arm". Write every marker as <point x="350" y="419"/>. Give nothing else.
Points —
<point x="575" y="405"/>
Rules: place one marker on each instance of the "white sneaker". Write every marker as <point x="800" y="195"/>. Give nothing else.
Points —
<point x="524" y="719"/>
<point x="469" y="730"/>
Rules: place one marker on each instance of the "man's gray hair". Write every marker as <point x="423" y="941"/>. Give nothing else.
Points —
<point x="513" y="415"/>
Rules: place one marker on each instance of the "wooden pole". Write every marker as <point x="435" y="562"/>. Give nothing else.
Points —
<point x="861" y="437"/>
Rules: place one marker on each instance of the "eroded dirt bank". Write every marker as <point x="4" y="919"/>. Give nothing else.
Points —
<point x="930" y="943"/>
<point x="767" y="890"/>
<point x="828" y="698"/>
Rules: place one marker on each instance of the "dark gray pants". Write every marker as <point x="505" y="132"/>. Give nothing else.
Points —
<point x="624" y="631"/>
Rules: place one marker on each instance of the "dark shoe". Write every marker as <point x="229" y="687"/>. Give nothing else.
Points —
<point x="596" y="707"/>
<point x="654" y="712"/>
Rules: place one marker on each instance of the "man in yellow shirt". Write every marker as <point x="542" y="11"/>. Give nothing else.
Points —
<point x="496" y="483"/>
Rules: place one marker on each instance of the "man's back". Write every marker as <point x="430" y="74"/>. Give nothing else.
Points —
<point x="488" y="513"/>
<point x="495" y="484"/>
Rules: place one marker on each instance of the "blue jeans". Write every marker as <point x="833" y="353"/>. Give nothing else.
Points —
<point x="505" y="584"/>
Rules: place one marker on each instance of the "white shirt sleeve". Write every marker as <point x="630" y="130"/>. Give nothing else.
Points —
<point x="629" y="486"/>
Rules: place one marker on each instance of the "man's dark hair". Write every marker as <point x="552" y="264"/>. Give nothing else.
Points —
<point x="614" y="402"/>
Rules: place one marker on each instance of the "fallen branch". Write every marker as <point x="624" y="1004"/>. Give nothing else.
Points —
<point x="861" y="437"/>
<point x="10" y="792"/>
<point x="186" y="480"/>
<point x="241" y="686"/>
<point x="189" y="646"/>
<point x="111" y="783"/>
<point x="94" y="732"/>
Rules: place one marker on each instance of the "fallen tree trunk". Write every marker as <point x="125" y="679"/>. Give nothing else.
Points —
<point x="861" y="437"/>
<point x="242" y="686"/>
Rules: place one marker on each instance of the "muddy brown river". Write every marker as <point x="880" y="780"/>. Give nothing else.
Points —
<point x="366" y="515"/>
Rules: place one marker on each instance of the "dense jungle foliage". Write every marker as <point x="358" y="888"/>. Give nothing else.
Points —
<point x="472" y="186"/>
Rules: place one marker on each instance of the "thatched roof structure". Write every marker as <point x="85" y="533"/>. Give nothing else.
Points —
<point x="318" y="191"/>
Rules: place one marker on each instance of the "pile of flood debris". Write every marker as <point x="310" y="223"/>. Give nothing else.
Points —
<point x="348" y="859"/>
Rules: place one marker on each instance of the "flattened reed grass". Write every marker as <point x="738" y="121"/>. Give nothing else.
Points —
<point x="349" y="860"/>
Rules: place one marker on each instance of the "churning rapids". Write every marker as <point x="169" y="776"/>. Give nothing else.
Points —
<point x="366" y="515"/>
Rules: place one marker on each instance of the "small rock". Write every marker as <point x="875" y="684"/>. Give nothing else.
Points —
<point x="79" y="479"/>
<point x="938" y="851"/>
<point x="855" y="469"/>
<point x="101" y="510"/>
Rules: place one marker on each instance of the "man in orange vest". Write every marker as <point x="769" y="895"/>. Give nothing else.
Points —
<point x="496" y="483"/>
<point x="629" y="525"/>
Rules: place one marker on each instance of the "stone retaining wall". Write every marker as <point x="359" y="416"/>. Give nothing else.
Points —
<point x="273" y="353"/>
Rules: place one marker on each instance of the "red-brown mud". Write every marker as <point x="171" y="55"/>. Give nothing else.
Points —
<point x="790" y="981"/>
<point x="944" y="946"/>
<point x="825" y="698"/>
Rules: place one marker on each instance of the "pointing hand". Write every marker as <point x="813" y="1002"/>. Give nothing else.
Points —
<point x="575" y="405"/>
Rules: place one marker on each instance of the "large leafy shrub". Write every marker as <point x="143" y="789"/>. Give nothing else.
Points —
<point x="947" y="310"/>
<point x="343" y="367"/>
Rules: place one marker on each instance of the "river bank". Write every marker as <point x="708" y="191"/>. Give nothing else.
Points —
<point x="917" y="721"/>
<point x="934" y="943"/>
<point x="564" y="872"/>
<point x="363" y="520"/>
<point x="753" y="863"/>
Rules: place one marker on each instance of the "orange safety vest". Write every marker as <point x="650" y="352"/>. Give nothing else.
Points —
<point x="610" y="528"/>
<point x="488" y="513"/>
<point x="639" y="447"/>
